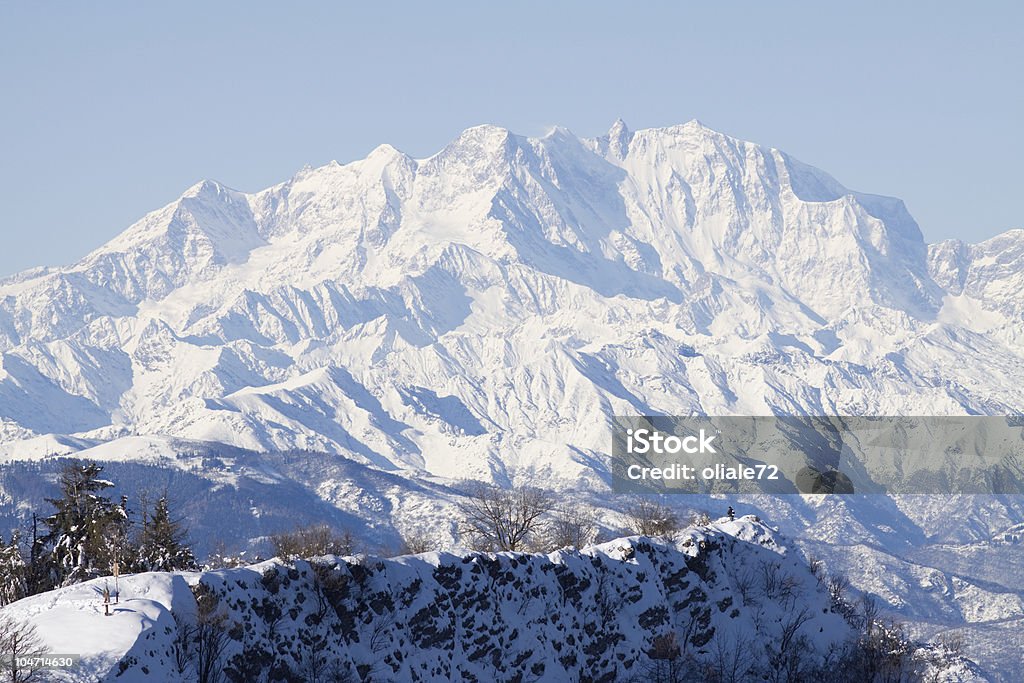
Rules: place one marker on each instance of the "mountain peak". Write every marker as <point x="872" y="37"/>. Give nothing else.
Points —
<point x="206" y="187"/>
<point x="619" y="136"/>
<point x="385" y="151"/>
<point x="485" y="133"/>
<point x="695" y="128"/>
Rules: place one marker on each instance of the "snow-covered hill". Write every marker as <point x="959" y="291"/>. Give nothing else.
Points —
<point x="726" y="597"/>
<point x="485" y="312"/>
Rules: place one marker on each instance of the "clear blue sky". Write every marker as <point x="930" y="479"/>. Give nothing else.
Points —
<point x="108" y="110"/>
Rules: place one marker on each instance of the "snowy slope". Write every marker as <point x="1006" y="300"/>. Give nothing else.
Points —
<point x="592" y="614"/>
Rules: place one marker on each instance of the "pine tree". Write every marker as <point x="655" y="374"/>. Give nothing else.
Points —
<point x="87" y="531"/>
<point x="39" y="576"/>
<point x="116" y="544"/>
<point x="163" y="545"/>
<point x="13" y="571"/>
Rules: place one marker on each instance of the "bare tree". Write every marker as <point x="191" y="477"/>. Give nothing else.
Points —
<point x="733" y="659"/>
<point x="883" y="652"/>
<point x="838" y="586"/>
<point x="18" y="641"/>
<point x="869" y="611"/>
<point x="503" y="519"/>
<point x="572" y="527"/>
<point x="771" y="579"/>
<point x="952" y="642"/>
<point x="744" y="583"/>
<point x="817" y="567"/>
<point x="183" y="645"/>
<point x="792" y="624"/>
<point x="667" y="663"/>
<point x="210" y="636"/>
<point x="789" y="586"/>
<point x="223" y="557"/>
<point x="787" y="657"/>
<point x="652" y="518"/>
<point x="700" y="518"/>
<point x="313" y="658"/>
<point x="311" y="541"/>
<point x="380" y="635"/>
<point x="415" y="542"/>
<point x="698" y="619"/>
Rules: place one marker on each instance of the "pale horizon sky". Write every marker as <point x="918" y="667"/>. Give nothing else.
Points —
<point x="111" y="110"/>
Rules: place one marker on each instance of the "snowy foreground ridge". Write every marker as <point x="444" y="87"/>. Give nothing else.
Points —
<point x="589" y="615"/>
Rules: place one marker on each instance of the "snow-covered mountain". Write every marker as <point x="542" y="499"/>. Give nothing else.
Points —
<point x="484" y="313"/>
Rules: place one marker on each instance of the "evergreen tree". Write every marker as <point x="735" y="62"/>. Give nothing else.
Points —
<point x="39" y="576"/>
<point x="13" y="571"/>
<point x="163" y="546"/>
<point x="87" y="532"/>
<point x="116" y="544"/>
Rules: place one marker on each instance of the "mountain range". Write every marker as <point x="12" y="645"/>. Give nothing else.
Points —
<point x="484" y="310"/>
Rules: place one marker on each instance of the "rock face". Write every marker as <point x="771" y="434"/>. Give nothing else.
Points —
<point x="485" y="310"/>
